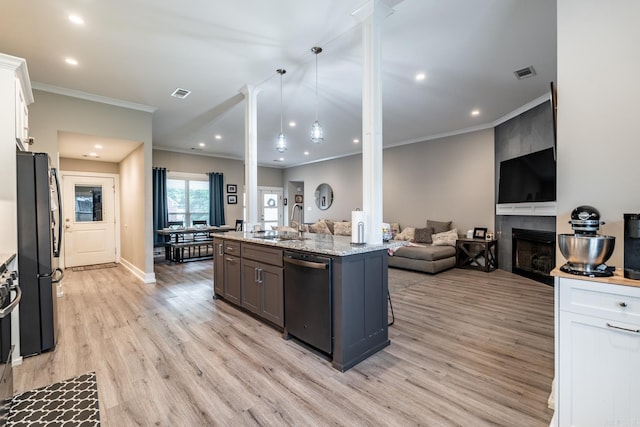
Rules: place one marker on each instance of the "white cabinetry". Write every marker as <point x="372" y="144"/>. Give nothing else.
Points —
<point x="22" y="113"/>
<point x="15" y="95"/>
<point x="598" y="353"/>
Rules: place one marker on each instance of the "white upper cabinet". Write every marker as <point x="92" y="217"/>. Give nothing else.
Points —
<point x="22" y="114"/>
<point x="15" y="96"/>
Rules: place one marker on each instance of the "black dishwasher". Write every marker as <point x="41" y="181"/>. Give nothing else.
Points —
<point x="308" y="299"/>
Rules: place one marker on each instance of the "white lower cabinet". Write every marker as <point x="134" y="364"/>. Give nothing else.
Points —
<point x="598" y="360"/>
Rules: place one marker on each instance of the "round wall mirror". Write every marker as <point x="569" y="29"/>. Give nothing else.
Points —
<point x="324" y="196"/>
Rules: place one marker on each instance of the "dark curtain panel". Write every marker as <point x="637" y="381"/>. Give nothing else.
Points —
<point x="216" y="198"/>
<point x="160" y="208"/>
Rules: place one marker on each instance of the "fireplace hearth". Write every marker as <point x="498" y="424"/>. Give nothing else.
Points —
<point x="533" y="254"/>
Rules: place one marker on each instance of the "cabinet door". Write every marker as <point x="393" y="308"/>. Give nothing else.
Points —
<point x="272" y="304"/>
<point x="251" y="286"/>
<point x="599" y="372"/>
<point x="218" y="267"/>
<point x="232" y="279"/>
<point x="22" y="116"/>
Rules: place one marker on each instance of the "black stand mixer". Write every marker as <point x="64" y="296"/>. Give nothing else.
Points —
<point x="586" y="251"/>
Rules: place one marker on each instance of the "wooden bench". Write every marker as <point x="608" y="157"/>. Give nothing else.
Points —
<point x="192" y="250"/>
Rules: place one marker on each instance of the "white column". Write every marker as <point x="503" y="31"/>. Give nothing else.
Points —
<point x="371" y="14"/>
<point x="251" y="154"/>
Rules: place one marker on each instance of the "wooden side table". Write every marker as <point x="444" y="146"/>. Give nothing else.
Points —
<point x="479" y="254"/>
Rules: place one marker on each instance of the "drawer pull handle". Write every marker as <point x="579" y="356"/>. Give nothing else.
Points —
<point x="609" y="325"/>
<point x="622" y="304"/>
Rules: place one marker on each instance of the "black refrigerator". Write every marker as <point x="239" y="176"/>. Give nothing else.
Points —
<point x="39" y="239"/>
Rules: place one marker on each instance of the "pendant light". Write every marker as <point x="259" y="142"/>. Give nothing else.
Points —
<point x="317" y="135"/>
<point x="281" y="142"/>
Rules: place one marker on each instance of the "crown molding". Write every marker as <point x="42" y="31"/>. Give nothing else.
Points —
<point x="91" y="97"/>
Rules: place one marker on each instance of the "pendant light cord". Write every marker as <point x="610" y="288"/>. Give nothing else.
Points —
<point x="316" y="50"/>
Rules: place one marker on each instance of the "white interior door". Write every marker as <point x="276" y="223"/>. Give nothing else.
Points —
<point x="270" y="203"/>
<point x="89" y="220"/>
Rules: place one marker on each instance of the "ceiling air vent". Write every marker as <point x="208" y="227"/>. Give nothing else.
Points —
<point x="180" y="93"/>
<point x="525" y="72"/>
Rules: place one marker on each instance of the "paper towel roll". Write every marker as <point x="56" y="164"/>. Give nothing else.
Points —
<point x="358" y="227"/>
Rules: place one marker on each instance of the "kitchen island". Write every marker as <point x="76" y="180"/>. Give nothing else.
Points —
<point x="254" y="271"/>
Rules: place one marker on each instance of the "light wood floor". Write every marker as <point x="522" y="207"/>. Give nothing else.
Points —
<point x="467" y="348"/>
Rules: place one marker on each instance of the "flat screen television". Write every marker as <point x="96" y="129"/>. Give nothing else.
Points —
<point x="528" y="178"/>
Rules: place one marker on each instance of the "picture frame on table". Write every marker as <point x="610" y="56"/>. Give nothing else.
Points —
<point x="232" y="188"/>
<point x="232" y="199"/>
<point x="479" y="233"/>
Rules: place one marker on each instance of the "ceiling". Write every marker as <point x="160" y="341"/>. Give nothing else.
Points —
<point x="140" y="51"/>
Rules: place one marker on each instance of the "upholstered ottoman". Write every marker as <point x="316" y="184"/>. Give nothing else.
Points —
<point x="428" y="259"/>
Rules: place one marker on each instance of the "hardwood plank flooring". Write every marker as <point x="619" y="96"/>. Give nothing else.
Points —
<point x="467" y="348"/>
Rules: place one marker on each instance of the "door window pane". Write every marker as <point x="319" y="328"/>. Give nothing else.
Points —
<point x="88" y="203"/>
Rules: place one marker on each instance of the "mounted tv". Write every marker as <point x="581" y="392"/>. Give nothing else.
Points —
<point x="529" y="178"/>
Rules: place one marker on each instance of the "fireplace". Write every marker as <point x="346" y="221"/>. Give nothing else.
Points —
<point x="533" y="254"/>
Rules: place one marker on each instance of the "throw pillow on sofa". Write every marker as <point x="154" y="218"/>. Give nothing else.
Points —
<point x="406" y="234"/>
<point x="342" y="228"/>
<point x="319" y="227"/>
<point x="446" y="238"/>
<point x="423" y="235"/>
<point x="439" y="226"/>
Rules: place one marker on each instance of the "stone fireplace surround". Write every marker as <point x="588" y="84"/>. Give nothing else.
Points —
<point x="504" y="229"/>
<point x="530" y="131"/>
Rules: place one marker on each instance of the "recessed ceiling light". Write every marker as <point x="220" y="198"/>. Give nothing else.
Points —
<point x="420" y="77"/>
<point x="71" y="61"/>
<point x="98" y="146"/>
<point x="292" y="124"/>
<point x="201" y="144"/>
<point x="356" y="140"/>
<point x="475" y="112"/>
<point x="76" y="19"/>
<point x="218" y="136"/>
<point x="306" y="153"/>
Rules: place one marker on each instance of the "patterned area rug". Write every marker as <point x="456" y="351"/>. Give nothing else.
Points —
<point x="73" y="402"/>
<point x="94" y="266"/>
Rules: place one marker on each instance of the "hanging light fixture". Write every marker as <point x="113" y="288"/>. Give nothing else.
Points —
<point x="281" y="143"/>
<point x="317" y="135"/>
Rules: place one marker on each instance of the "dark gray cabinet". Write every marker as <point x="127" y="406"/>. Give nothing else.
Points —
<point x="218" y="267"/>
<point x="262" y="282"/>
<point x="227" y="274"/>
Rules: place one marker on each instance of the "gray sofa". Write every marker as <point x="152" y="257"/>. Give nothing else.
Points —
<point x="428" y="259"/>
<point x="434" y="251"/>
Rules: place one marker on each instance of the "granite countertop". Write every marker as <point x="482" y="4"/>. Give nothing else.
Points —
<point x="5" y="260"/>
<point x="617" y="278"/>
<point x="316" y="243"/>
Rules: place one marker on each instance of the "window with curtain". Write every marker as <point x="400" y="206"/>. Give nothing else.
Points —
<point x="188" y="200"/>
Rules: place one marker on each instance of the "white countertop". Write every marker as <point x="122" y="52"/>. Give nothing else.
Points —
<point x="316" y="243"/>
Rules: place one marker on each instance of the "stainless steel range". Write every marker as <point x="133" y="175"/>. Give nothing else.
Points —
<point x="10" y="295"/>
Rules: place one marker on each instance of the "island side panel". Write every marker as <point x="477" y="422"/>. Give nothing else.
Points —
<point x="360" y="307"/>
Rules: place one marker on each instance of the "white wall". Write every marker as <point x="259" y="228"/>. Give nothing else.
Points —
<point x="598" y="93"/>
<point x="51" y="113"/>
<point x="446" y="179"/>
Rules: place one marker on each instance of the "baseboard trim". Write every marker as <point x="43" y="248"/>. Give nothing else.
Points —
<point x="145" y="277"/>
